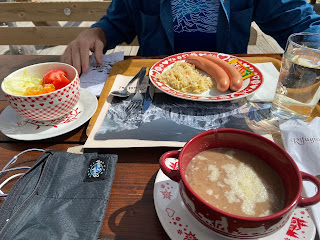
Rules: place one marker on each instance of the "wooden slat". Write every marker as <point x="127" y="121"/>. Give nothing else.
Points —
<point x="135" y="42"/>
<point x="43" y="35"/>
<point x="52" y="11"/>
<point x="50" y="36"/>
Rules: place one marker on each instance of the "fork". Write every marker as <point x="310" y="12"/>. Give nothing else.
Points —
<point x="137" y="99"/>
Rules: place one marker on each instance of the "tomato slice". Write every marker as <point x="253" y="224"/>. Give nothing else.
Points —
<point x="56" y="77"/>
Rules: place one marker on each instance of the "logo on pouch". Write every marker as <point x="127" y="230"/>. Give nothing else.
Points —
<point x="96" y="170"/>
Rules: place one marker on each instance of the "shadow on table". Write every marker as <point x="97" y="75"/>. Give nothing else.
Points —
<point x="138" y="221"/>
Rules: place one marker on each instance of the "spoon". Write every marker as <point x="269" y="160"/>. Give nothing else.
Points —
<point x="125" y="92"/>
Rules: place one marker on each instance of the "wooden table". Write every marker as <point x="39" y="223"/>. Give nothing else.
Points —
<point x="130" y="213"/>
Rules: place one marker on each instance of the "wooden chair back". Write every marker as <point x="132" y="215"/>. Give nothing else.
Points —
<point x="45" y="16"/>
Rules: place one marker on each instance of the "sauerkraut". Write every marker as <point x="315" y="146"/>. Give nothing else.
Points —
<point x="184" y="77"/>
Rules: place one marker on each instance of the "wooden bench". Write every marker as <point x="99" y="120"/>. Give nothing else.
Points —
<point x="46" y="13"/>
<point x="46" y="17"/>
<point x="46" y="29"/>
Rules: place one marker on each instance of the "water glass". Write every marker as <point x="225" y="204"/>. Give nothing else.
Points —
<point x="298" y="90"/>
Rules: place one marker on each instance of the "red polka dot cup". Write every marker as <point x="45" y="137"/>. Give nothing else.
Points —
<point x="47" y="106"/>
<point x="227" y="224"/>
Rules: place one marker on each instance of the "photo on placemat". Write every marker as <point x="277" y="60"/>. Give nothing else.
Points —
<point x="172" y="119"/>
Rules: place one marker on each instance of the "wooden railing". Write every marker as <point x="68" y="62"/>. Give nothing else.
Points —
<point x="45" y="16"/>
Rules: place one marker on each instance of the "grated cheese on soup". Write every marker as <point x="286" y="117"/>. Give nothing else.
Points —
<point x="185" y="78"/>
<point x="236" y="181"/>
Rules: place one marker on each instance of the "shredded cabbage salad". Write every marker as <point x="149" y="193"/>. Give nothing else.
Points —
<point x="25" y="85"/>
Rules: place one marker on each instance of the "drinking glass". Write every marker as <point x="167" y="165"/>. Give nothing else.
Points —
<point x="298" y="89"/>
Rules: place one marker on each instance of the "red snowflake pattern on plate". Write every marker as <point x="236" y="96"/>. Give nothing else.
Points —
<point x="296" y="227"/>
<point x="190" y="236"/>
<point x="182" y="229"/>
<point x="72" y="116"/>
<point x="166" y="194"/>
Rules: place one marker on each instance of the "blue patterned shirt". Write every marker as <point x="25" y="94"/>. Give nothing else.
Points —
<point x="152" y="22"/>
<point x="195" y="24"/>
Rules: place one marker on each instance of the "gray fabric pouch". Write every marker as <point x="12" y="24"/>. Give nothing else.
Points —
<point x="63" y="196"/>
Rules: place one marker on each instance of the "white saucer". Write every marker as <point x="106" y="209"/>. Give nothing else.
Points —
<point x="179" y="224"/>
<point x="17" y="127"/>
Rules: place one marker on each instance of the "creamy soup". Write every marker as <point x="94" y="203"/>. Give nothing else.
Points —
<point x="236" y="182"/>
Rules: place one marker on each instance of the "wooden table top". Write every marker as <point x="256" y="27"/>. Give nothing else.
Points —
<point x="130" y="213"/>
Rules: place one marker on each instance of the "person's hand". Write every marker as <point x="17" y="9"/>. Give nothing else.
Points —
<point x="77" y="52"/>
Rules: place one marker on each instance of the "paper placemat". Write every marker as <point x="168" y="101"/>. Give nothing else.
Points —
<point x="130" y="67"/>
<point x="231" y="114"/>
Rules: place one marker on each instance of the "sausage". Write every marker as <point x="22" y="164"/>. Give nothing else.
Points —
<point x="214" y="70"/>
<point x="235" y="77"/>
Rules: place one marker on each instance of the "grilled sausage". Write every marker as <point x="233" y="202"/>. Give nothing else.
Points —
<point x="214" y="70"/>
<point x="235" y="77"/>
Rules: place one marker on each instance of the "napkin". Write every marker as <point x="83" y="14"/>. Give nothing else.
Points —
<point x="97" y="75"/>
<point x="267" y="90"/>
<point x="302" y="141"/>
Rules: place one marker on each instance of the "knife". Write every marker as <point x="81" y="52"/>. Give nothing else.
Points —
<point x="148" y="97"/>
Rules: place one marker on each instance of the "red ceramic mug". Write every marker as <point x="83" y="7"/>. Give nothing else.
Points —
<point x="230" y="225"/>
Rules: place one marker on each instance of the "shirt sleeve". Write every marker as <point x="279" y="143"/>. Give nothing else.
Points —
<point x="284" y="17"/>
<point x="117" y="24"/>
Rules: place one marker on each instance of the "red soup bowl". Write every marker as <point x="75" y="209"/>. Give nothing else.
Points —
<point x="47" y="106"/>
<point x="230" y="225"/>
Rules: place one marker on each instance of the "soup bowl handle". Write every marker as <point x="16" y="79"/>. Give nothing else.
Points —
<point x="306" y="201"/>
<point x="173" y="174"/>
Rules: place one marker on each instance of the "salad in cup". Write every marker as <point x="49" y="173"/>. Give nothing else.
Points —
<point x="26" y="85"/>
<point x="43" y="91"/>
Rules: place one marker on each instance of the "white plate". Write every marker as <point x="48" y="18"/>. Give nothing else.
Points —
<point x="179" y="223"/>
<point x="17" y="127"/>
<point x="250" y="85"/>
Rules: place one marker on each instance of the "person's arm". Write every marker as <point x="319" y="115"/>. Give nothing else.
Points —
<point x="112" y="29"/>
<point x="118" y="24"/>
<point x="280" y="18"/>
<point x="77" y="52"/>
